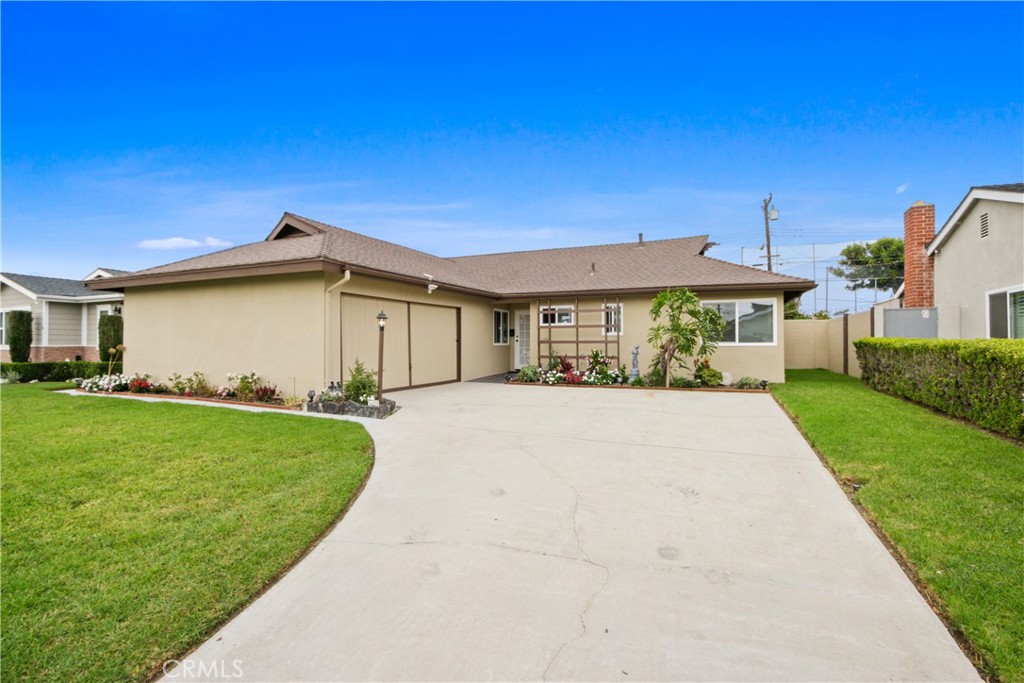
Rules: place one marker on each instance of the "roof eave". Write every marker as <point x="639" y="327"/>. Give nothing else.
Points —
<point x="796" y="286"/>
<point x="222" y="273"/>
<point x="19" y="287"/>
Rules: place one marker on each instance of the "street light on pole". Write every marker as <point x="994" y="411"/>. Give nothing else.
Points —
<point x="382" y="319"/>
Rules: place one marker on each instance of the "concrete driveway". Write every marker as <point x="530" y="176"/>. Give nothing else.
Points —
<point x="529" y="533"/>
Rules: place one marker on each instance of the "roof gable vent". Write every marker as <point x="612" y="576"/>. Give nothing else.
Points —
<point x="290" y="231"/>
<point x="984" y="225"/>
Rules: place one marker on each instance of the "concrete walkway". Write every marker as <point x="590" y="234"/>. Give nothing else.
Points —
<point x="529" y="533"/>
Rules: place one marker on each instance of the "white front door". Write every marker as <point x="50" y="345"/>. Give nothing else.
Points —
<point x="522" y="338"/>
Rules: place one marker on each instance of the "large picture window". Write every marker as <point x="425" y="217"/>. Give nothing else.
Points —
<point x="501" y="327"/>
<point x="747" y="322"/>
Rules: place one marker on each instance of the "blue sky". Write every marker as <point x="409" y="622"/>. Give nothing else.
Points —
<point x="467" y="128"/>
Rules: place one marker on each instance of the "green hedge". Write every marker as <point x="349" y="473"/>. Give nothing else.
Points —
<point x="60" y="371"/>
<point x="111" y="333"/>
<point x="981" y="380"/>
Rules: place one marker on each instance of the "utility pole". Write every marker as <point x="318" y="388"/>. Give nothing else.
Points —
<point x="814" y="265"/>
<point x="770" y="214"/>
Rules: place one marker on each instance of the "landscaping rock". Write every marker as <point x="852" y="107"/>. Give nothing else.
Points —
<point x="386" y="407"/>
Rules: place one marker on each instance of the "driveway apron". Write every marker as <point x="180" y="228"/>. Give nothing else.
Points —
<point x="548" y="533"/>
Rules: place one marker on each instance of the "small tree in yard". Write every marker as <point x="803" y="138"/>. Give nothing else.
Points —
<point x="688" y="331"/>
<point x="111" y="333"/>
<point x="19" y="335"/>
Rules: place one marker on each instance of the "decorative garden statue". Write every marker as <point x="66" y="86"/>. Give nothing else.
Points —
<point x="635" y="371"/>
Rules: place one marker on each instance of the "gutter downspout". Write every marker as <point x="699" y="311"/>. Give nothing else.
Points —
<point x="327" y="316"/>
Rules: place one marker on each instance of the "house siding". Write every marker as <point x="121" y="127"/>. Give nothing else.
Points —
<point x="968" y="265"/>
<point x="12" y="299"/>
<point x="65" y="324"/>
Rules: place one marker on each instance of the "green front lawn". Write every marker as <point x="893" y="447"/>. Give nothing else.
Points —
<point x="950" y="496"/>
<point x="131" y="530"/>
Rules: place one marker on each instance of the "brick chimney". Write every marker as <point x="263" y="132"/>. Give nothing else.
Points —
<point x="918" y="231"/>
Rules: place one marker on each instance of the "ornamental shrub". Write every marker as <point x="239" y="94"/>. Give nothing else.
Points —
<point x="748" y="382"/>
<point x="981" y="380"/>
<point x="361" y="385"/>
<point x="529" y="373"/>
<point x="111" y="333"/>
<point x="19" y="335"/>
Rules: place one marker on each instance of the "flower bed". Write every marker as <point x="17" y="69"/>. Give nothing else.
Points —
<point x="599" y="372"/>
<point x="245" y="388"/>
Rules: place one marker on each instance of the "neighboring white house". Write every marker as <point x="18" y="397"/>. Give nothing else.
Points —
<point x="968" y="279"/>
<point x="65" y="313"/>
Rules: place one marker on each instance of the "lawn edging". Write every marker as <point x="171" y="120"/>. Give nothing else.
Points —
<point x="943" y="497"/>
<point x="938" y="607"/>
<point x="158" y="671"/>
<point x="184" y="518"/>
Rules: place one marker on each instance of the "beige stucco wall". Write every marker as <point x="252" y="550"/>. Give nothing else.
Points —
<point x="807" y="344"/>
<point x="819" y="343"/>
<point x="859" y="328"/>
<point x="480" y="357"/>
<point x="761" y="361"/>
<point x="968" y="265"/>
<point x="276" y="326"/>
<point x="271" y="324"/>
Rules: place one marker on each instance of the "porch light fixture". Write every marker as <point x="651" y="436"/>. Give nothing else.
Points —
<point x="382" y="319"/>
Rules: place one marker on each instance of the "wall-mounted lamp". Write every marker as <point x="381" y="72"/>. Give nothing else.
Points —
<point x="430" y="288"/>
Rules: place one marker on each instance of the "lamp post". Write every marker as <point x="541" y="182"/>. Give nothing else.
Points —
<point x="382" y="319"/>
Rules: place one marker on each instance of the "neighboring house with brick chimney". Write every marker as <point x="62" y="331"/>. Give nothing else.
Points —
<point x="65" y="313"/>
<point x="970" y="275"/>
<point x="300" y="308"/>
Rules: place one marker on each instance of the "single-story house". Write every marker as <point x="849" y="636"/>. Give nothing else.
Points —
<point x="65" y="313"/>
<point x="967" y="279"/>
<point x="300" y="308"/>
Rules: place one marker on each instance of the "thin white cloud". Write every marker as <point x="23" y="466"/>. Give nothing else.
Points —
<point x="182" y="243"/>
<point x="902" y="187"/>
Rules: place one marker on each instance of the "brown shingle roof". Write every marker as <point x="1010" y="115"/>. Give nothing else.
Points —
<point x="610" y="267"/>
<point x="655" y="265"/>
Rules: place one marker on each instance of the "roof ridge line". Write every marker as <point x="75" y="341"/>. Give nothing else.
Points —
<point x="371" y="237"/>
<point x="581" y="246"/>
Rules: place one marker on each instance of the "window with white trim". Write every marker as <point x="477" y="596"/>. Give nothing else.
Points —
<point x="613" y="320"/>
<point x="1006" y="314"/>
<point x="556" y="315"/>
<point x="500" y="328"/>
<point x="746" y="321"/>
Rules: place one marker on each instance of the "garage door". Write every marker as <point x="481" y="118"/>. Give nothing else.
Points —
<point x="420" y="341"/>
